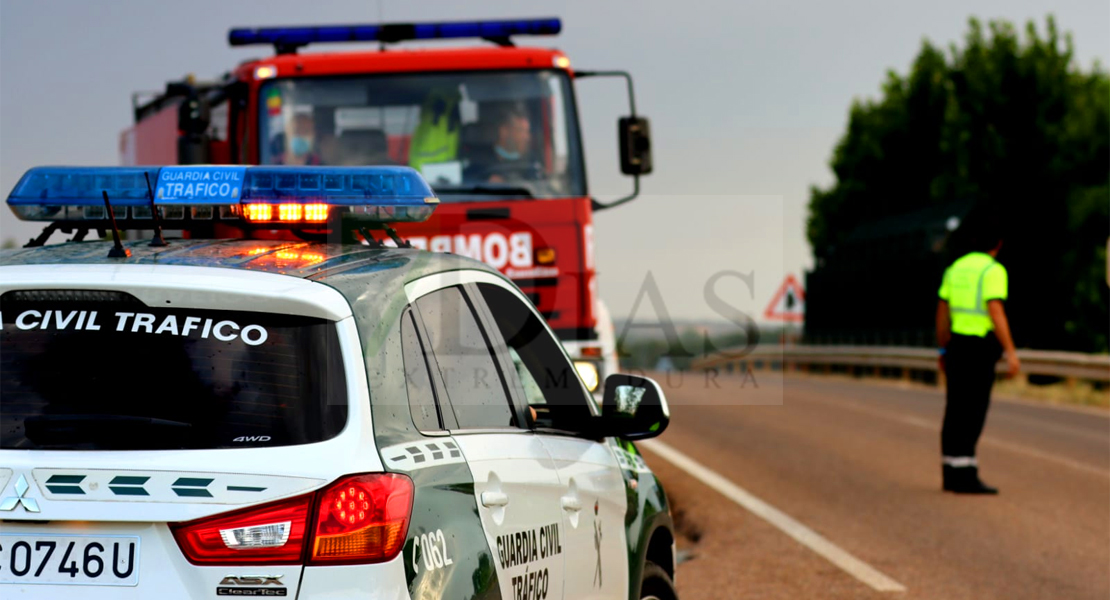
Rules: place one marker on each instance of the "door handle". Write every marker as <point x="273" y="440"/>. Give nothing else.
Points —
<point x="571" y="503"/>
<point x="494" y="499"/>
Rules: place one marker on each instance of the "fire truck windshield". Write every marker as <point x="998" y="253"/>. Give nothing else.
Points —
<point x="473" y="135"/>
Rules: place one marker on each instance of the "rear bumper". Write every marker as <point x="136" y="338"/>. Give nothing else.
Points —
<point x="384" y="581"/>
<point x="165" y="574"/>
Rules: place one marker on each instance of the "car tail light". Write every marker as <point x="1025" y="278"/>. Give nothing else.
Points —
<point x="272" y="533"/>
<point x="357" y="519"/>
<point x="362" y="519"/>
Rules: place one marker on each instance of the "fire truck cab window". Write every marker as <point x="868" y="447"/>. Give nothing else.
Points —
<point x="473" y="136"/>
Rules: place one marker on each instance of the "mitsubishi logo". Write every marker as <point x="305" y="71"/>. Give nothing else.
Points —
<point x="21" y="487"/>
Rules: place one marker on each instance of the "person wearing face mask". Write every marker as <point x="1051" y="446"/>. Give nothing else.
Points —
<point x="301" y="150"/>
<point x="510" y="157"/>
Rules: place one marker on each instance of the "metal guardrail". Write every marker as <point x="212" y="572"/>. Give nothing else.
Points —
<point x="1071" y="366"/>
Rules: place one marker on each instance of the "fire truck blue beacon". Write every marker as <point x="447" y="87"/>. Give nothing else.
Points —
<point x="316" y="409"/>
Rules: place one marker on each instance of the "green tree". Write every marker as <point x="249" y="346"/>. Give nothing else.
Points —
<point x="1014" y="125"/>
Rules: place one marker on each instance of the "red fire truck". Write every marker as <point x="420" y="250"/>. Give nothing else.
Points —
<point x="494" y="128"/>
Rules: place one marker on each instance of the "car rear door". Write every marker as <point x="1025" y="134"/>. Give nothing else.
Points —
<point x="515" y="481"/>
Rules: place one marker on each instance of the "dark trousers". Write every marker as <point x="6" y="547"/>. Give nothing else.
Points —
<point x="970" y="364"/>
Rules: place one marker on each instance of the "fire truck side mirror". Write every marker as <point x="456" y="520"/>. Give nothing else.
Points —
<point x="193" y="119"/>
<point x="635" y="145"/>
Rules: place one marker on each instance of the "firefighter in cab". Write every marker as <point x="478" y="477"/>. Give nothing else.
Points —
<point x="973" y="333"/>
<point x="509" y="159"/>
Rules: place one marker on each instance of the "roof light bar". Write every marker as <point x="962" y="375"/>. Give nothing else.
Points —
<point x="81" y="186"/>
<point x="291" y="196"/>
<point x="290" y="38"/>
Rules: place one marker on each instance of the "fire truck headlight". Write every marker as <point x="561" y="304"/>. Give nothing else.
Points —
<point x="588" y="372"/>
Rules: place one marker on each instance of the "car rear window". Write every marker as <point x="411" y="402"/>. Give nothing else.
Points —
<point x="103" y="371"/>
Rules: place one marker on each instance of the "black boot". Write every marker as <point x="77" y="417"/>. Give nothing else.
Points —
<point x="954" y="477"/>
<point x="965" y="480"/>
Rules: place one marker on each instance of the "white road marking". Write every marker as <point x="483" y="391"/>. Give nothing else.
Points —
<point x="851" y="565"/>
<point x="985" y="440"/>
<point x="1096" y="411"/>
<point x="1067" y="462"/>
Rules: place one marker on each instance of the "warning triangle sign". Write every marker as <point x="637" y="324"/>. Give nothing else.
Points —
<point x="788" y="304"/>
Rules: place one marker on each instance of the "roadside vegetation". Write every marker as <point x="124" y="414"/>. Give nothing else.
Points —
<point x="1007" y="122"/>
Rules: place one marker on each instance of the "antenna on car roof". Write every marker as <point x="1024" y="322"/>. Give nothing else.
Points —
<point x="391" y="232"/>
<point x="158" y="240"/>
<point x="117" y="251"/>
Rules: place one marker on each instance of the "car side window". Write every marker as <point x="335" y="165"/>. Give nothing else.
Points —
<point x="422" y="401"/>
<point x="547" y="379"/>
<point x="474" y="386"/>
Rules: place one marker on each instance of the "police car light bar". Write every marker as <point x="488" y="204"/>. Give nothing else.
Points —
<point x="274" y="196"/>
<point x="290" y="38"/>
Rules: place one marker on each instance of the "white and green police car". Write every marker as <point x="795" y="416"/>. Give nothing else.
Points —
<point x="314" y="419"/>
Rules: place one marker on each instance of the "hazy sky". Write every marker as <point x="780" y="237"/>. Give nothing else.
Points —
<point x="747" y="100"/>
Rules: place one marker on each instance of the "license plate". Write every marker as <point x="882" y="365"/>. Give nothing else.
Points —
<point x="69" y="559"/>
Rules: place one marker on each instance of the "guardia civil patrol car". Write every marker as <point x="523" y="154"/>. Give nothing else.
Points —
<point x="311" y="415"/>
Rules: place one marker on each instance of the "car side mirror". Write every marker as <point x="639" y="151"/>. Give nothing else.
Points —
<point x="635" y="145"/>
<point x="633" y="408"/>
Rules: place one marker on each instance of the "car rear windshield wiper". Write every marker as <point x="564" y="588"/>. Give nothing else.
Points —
<point x="102" y="431"/>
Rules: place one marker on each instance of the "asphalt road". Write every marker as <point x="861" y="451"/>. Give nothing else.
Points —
<point x="858" y="463"/>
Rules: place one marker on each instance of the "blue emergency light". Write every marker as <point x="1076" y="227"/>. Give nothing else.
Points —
<point x="290" y="38"/>
<point x="271" y="196"/>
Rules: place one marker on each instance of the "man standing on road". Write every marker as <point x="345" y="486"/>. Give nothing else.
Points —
<point x="972" y="332"/>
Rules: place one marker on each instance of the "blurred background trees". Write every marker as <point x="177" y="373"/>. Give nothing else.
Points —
<point x="1007" y="124"/>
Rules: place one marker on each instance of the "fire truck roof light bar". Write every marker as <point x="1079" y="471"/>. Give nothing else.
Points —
<point x="288" y="39"/>
<point x="377" y="194"/>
